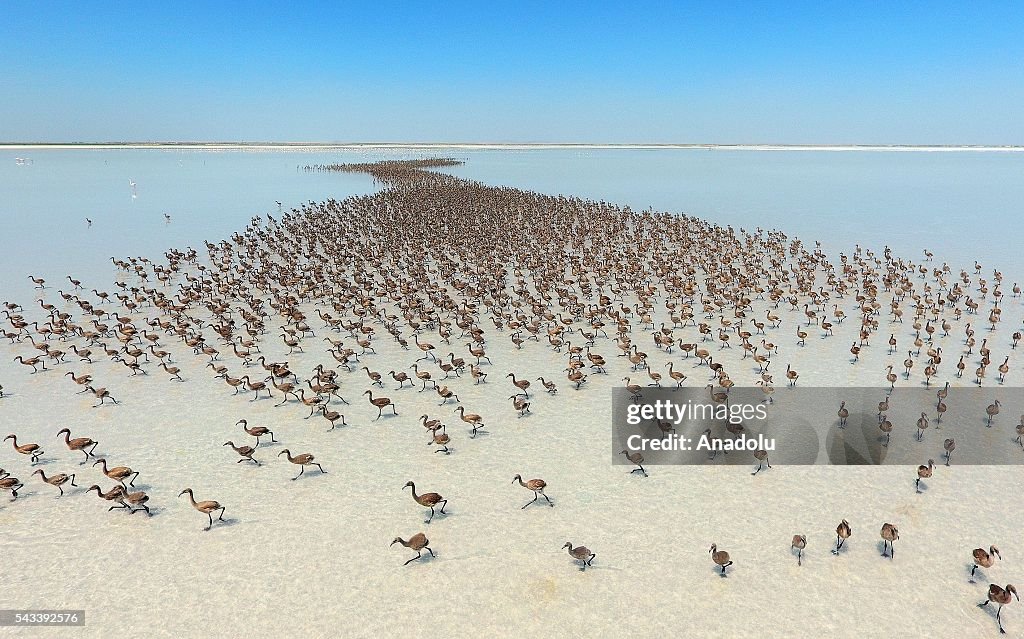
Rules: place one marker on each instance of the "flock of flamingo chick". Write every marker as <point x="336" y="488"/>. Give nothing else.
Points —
<point x="431" y="258"/>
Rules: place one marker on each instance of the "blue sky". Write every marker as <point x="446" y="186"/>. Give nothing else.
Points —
<point x="744" y="72"/>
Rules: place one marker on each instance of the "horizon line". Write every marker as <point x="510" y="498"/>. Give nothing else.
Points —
<point x="226" y="145"/>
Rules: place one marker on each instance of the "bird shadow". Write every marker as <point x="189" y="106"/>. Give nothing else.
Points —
<point x="979" y="575"/>
<point x="42" y="462"/>
<point x="882" y="547"/>
<point x="315" y="473"/>
<point x="438" y="515"/>
<point x="224" y="523"/>
<point x="427" y="558"/>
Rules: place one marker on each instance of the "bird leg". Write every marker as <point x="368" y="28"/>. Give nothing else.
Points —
<point x="917" y="484"/>
<point x="549" y="500"/>
<point x="799" y="557"/>
<point x="536" y="495"/>
<point x="443" y="504"/>
<point x="418" y="555"/>
<point x="302" y="469"/>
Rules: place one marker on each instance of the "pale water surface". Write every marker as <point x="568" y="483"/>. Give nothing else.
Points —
<point x="961" y="205"/>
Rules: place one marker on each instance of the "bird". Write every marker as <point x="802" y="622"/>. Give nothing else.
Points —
<point x="417" y="542"/>
<point x="799" y="542"/>
<point x="427" y="499"/>
<point x="983" y="559"/>
<point x="32" y="361"/>
<point x="949" y="446"/>
<point x="992" y="410"/>
<point x="118" y="473"/>
<point x="256" y="431"/>
<point x="636" y="458"/>
<point x="12" y="484"/>
<point x="380" y="403"/>
<point x="138" y="499"/>
<point x="114" y="494"/>
<point x="886" y="427"/>
<point x="57" y="480"/>
<point x="537" y="486"/>
<point x="761" y="456"/>
<point x="1001" y="596"/>
<point x="79" y="443"/>
<point x="244" y="451"/>
<point x="441" y="439"/>
<point x="303" y="460"/>
<point x="205" y="507"/>
<point x="32" y="450"/>
<point x="923" y="472"/>
<point x="843" y="532"/>
<point x="581" y="554"/>
<point x="720" y="557"/>
<point x="843" y="413"/>
<point x="472" y="419"/>
<point x="889" y="534"/>
<point x="332" y="416"/>
<point x="101" y="394"/>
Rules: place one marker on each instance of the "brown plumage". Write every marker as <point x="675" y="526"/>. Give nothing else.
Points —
<point x="205" y="507"/>
<point x="417" y="542"/>
<point x="32" y="450"/>
<point x="889" y="534"/>
<point x="245" y="452"/>
<point x="581" y="554"/>
<point x="984" y="559"/>
<point x="57" y="480"/>
<point x="720" y="557"/>
<point x="428" y="500"/>
<point x="303" y="460"/>
<point x="1001" y="596"/>
<point x="843" y="532"/>
<point x="537" y="486"/>
<point x="118" y="473"/>
<point x="79" y="443"/>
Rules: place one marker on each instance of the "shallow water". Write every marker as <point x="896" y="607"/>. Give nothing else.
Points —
<point x="302" y="557"/>
<point x="960" y="205"/>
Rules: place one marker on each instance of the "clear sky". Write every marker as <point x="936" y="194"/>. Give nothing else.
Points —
<point x="714" y="71"/>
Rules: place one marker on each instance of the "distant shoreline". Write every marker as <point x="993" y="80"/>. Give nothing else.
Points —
<point x="312" y="146"/>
